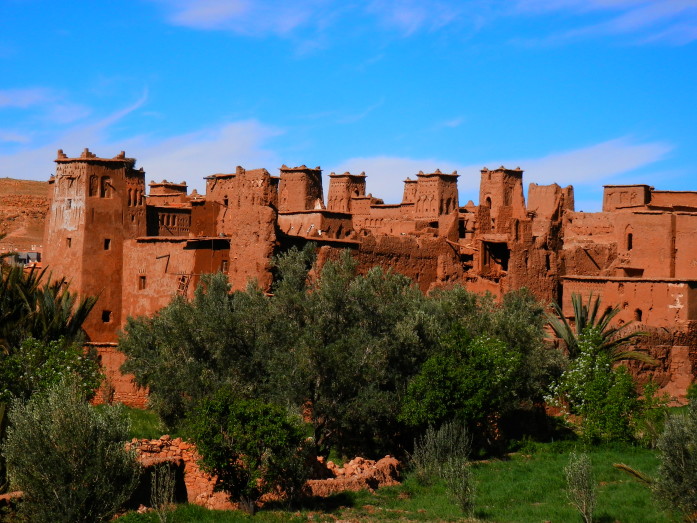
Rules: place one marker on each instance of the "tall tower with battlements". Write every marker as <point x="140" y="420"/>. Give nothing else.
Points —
<point x="96" y="204"/>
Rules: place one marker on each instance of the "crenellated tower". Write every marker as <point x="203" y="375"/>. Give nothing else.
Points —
<point x="342" y="188"/>
<point x="436" y="195"/>
<point x="300" y="189"/>
<point x="96" y="204"/>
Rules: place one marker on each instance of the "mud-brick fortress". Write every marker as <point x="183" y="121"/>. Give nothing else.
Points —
<point x="137" y="248"/>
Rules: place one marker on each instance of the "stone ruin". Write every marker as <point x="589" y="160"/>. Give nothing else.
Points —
<point x="137" y="248"/>
<point x="198" y="487"/>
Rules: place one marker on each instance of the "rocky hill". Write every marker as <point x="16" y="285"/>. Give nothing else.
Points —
<point x="23" y="208"/>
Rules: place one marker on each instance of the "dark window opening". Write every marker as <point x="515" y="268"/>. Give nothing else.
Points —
<point x="68" y="242"/>
<point x="225" y="201"/>
<point x="548" y="262"/>
<point x="467" y="260"/>
<point x="107" y="244"/>
<point x="105" y="187"/>
<point x="630" y="241"/>
<point x="106" y="316"/>
<point x="633" y="273"/>
<point x="433" y="224"/>
<point x="93" y="186"/>
<point x="496" y="255"/>
<point x="141" y="282"/>
<point x="638" y="314"/>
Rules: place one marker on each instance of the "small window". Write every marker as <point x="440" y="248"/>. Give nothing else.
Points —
<point x="107" y="244"/>
<point x="141" y="282"/>
<point x="106" y="316"/>
<point x="638" y="314"/>
<point x="630" y="241"/>
<point x="68" y="203"/>
<point x="68" y="242"/>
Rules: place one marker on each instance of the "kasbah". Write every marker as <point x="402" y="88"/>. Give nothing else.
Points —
<point x="136" y="250"/>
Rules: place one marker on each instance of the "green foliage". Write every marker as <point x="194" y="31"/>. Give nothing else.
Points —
<point x="189" y="350"/>
<point x="35" y="365"/>
<point x="613" y="339"/>
<point x="443" y="454"/>
<point x="650" y="420"/>
<point x="450" y="441"/>
<point x="468" y="379"/>
<point x="676" y="481"/>
<point x="68" y="457"/>
<point x="604" y="397"/>
<point x="341" y="348"/>
<point x="253" y="447"/>
<point x="162" y="484"/>
<point x="44" y="311"/>
<point x="459" y="481"/>
<point x="580" y="485"/>
<point x="692" y="391"/>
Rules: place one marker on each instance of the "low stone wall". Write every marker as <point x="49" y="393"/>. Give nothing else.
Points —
<point x="357" y="474"/>
<point x="198" y="484"/>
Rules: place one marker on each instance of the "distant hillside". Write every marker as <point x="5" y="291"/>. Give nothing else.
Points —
<point x="23" y="208"/>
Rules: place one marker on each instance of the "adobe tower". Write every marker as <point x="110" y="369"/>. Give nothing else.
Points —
<point x="97" y="204"/>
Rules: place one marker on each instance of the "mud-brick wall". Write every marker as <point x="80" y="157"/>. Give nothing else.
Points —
<point x="117" y="387"/>
<point x="430" y="262"/>
<point x="198" y="484"/>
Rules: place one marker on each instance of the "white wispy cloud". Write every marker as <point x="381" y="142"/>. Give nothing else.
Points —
<point x="247" y="17"/>
<point x="584" y="168"/>
<point x="410" y="16"/>
<point x="26" y="97"/>
<point x="668" y="21"/>
<point x="386" y="173"/>
<point x="13" y="137"/>
<point x="208" y="151"/>
<point x="189" y="156"/>
<point x="355" y="117"/>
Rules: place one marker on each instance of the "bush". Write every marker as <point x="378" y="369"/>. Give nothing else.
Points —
<point x="580" y="485"/>
<point x="604" y="397"/>
<point x="436" y="447"/>
<point x="460" y="483"/>
<point x="444" y="454"/>
<point x="252" y="447"/>
<point x="35" y="365"/>
<point x="68" y="457"/>
<point x="468" y="379"/>
<point x="676" y="481"/>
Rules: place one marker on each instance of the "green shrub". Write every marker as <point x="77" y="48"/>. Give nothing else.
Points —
<point x="436" y="447"/>
<point x="443" y="454"/>
<point x="162" y="484"/>
<point x="252" y="447"/>
<point x="460" y="483"/>
<point x="676" y="480"/>
<point x="468" y="379"/>
<point x="35" y="365"/>
<point x="604" y="396"/>
<point x="580" y="485"/>
<point x="68" y="457"/>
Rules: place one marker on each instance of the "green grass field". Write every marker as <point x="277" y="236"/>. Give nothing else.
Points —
<point x="528" y="486"/>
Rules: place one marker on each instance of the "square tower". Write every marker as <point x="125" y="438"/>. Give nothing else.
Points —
<point x="96" y="204"/>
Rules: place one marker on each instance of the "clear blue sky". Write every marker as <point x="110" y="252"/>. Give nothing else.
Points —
<point x="581" y="92"/>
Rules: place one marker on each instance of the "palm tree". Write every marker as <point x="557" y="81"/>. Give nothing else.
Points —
<point x="45" y="311"/>
<point x="588" y="315"/>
